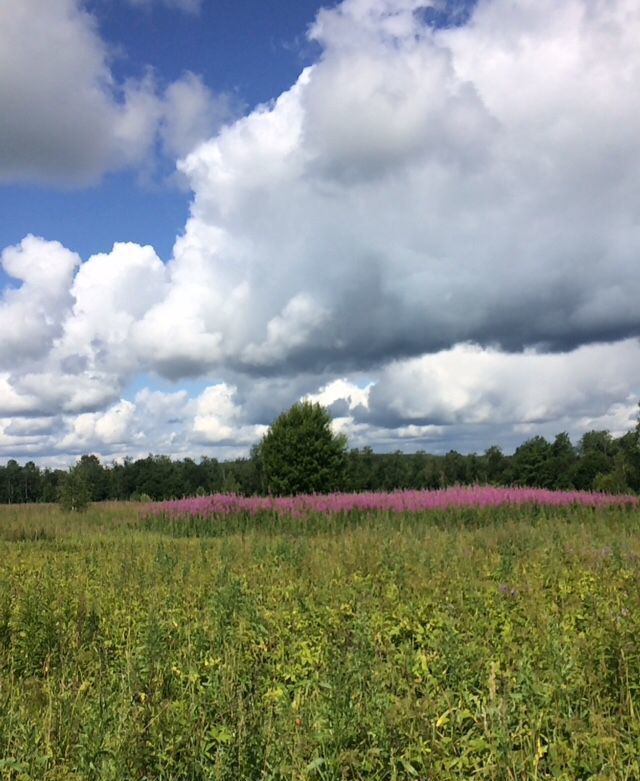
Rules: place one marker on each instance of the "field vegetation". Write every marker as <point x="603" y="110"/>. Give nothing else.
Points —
<point x="487" y="642"/>
<point x="598" y="462"/>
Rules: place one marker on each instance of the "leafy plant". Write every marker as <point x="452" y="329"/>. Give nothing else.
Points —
<point x="74" y="495"/>
<point x="301" y="454"/>
<point x="497" y="642"/>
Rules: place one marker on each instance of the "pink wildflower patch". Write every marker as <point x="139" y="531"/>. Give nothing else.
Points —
<point x="395" y="502"/>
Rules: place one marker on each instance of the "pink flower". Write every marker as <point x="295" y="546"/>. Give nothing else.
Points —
<point x="395" y="502"/>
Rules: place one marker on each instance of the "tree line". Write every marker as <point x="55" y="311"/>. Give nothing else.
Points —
<point x="597" y="462"/>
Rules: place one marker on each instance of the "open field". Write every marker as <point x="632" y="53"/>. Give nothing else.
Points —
<point x="493" y="643"/>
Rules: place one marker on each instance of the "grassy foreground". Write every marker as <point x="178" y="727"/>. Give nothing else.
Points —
<point x="489" y="644"/>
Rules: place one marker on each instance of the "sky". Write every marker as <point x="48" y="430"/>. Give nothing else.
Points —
<point x="424" y="215"/>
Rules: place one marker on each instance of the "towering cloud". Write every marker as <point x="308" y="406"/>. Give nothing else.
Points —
<point x="416" y="191"/>
<point x="474" y="184"/>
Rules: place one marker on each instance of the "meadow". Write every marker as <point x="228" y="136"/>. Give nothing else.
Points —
<point x="489" y="642"/>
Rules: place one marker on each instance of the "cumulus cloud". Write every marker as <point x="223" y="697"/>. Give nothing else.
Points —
<point x="97" y="429"/>
<point x="464" y="398"/>
<point x="468" y="384"/>
<point x="414" y="194"/>
<point x="469" y="397"/>
<point x="57" y="389"/>
<point x="32" y="315"/>
<point x="66" y="119"/>
<point x="402" y="197"/>
<point x="343" y="390"/>
<point x="112" y="292"/>
<point x="444" y="219"/>
<point x="218" y="419"/>
<point x="12" y="401"/>
<point x="191" y="112"/>
<point x="156" y="421"/>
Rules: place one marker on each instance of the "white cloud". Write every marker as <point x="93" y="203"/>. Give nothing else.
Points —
<point x="218" y="419"/>
<point x="342" y="390"/>
<point x="112" y="292"/>
<point x="32" y="315"/>
<point x="416" y="200"/>
<point x="13" y="402"/>
<point x="291" y="329"/>
<point x="163" y="407"/>
<point x="66" y="119"/>
<point x="469" y="385"/>
<point x="192" y="114"/>
<point x="99" y="429"/>
<point x="416" y="190"/>
<point x="466" y="398"/>
<point x="59" y="390"/>
<point x="61" y="116"/>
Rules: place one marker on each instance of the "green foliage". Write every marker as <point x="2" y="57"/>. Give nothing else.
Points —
<point x="74" y="494"/>
<point x="496" y="465"/>
<point x="617" y="481"/>
<point x="496" y="646"/>
<point x="532" y="463"/>
<point x="95" y="477"/>
<point x="301" y="454"/>
<point x="144" y="498"/>
<point x="598" y="462"/>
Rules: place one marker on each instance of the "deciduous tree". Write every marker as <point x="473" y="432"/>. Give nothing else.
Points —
<point x="301" y="454"/>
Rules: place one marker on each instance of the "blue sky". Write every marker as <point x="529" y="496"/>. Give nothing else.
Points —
<point x="250" y="50"/>
<point x="420" y="214"/>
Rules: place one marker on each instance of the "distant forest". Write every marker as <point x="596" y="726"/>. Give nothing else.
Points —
<point x="598" y="462"/>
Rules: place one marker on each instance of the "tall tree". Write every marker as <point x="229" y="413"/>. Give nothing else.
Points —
<point x="563" y="461"/>
<point x="533" y="465"/>
<point x="74" y="493"/>
<point x="95" y="476"/>
<point x="301" y="454"/>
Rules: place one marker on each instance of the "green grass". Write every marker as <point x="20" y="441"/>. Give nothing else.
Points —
<point x="489" y="645"/>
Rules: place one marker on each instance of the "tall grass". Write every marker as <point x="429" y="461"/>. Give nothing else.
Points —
<point x="498" y="643"/>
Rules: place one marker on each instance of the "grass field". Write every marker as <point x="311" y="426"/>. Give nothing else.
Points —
<point x="492" y="643"/>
